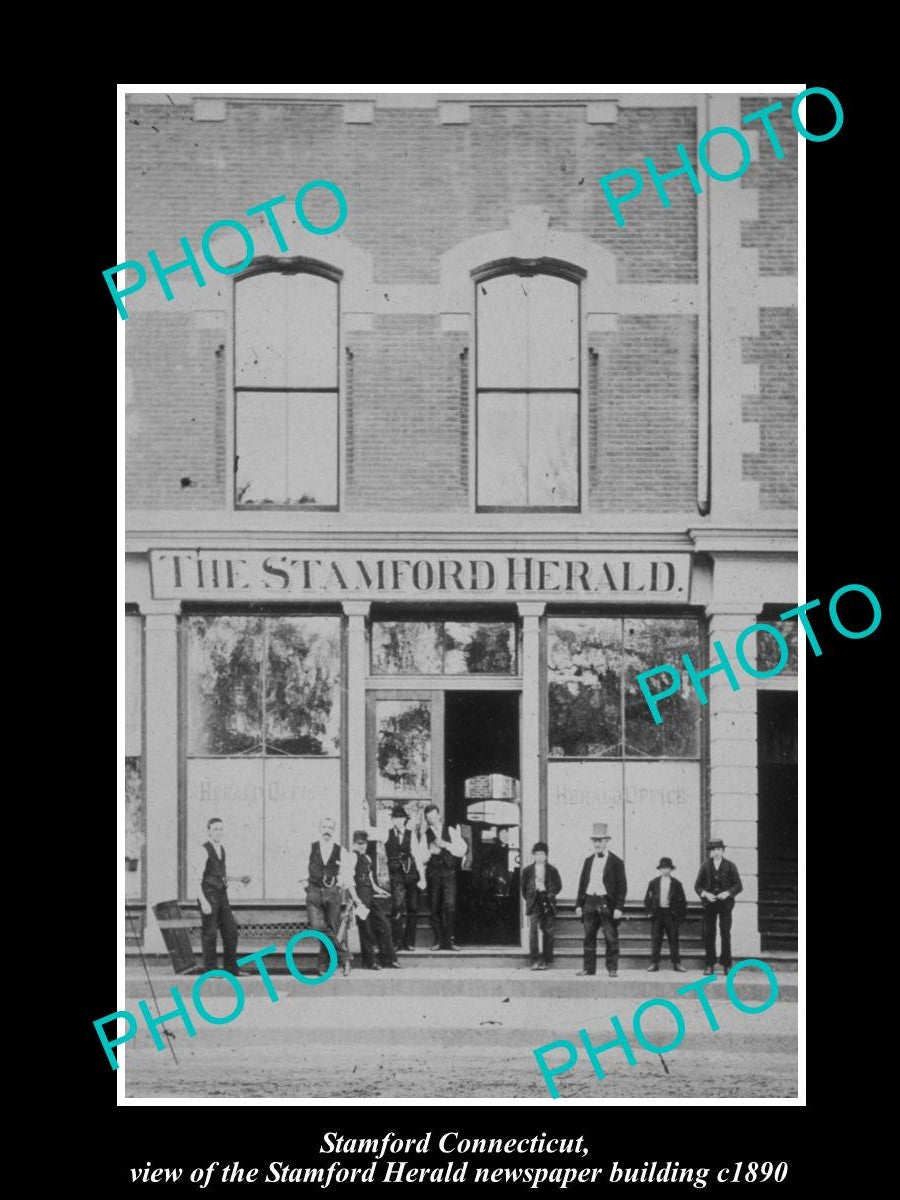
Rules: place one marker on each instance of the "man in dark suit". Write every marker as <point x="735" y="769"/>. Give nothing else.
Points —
<point x="601" y="900"/>
<point x="404" y="876"/>
<point x="541" y="885"/>
<point x="717" y="885"/>
<point x="666" y="903"/>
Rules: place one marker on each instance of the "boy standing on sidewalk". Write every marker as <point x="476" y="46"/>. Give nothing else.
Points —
<point x="666" y="903"/>
<point x="541" y="885"/>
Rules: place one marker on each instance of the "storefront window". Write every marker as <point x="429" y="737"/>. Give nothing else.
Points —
<point x="648" y="643"/>
<point x="225" y="685"/>
<point x="135" y="829"/>
<point x="596" y="709"/>
<point x="264" y="719"/>
<point x="443" y="648"/>
<point x="608" y="761"/>
<point x="585" y="673"/>
<point x="302" y="709"/>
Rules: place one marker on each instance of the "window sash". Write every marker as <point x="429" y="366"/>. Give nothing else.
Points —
<point x="286" y="432"/>
<point x="286" y="331"/>
<point x="286" y="342"/>
<point x="518" y="465"/>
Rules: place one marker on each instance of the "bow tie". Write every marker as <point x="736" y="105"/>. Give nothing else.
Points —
<point x="601" y="856"/>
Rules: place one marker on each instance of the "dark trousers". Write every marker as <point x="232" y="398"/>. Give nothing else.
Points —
<point x="545" y="924"/>
<point x="222" y="918"/>
<point x="442" y="898"/>
<point x="404" y="909"/>
<point x="598" y="915"/>
<point x="663" y="921"/>
<point x="375" y="939"/>
<point x="722" y="910"/>
<point x="323" y="912"/>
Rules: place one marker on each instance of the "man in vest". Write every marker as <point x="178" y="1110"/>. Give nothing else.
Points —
<point x="375" y="941"/>
<point x="718" y="883"/>
<point x="601" y="901"/>
<point x="212" y="893"/>
<point x="404" y="877"/>
<point x="327" y="877"/>
<point x="445" y="849"/>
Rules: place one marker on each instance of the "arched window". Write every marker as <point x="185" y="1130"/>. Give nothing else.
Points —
<point x="528" y="380"/>
<point x="286" y="389"/>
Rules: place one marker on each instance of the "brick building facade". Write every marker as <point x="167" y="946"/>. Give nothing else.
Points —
<point x="644" y="459"/>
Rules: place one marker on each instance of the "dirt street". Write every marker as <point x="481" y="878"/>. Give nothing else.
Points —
<point x="318" y="1043"/>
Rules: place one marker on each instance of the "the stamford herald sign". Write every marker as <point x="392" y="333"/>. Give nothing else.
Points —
<point x="314" y="575"/>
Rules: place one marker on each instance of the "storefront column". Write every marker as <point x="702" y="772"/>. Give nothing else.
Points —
<point x="733" y="772"/>
<point x="161" y="774"/>
<point x="531" y="613"/>
<point x="357" y="813"/>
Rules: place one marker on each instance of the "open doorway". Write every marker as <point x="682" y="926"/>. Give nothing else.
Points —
<point x="481" y="743"/>
<point x="777" y="829"/>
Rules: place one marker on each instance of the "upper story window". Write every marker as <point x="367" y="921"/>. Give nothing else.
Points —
<point x="286" y="389"/>
<point x="528" y="385"/>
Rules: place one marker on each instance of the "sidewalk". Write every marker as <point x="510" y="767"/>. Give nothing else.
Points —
<point x="458" y="981"/>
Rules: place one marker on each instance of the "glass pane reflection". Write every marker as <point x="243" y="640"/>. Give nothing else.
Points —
<point x="403" y="747"/>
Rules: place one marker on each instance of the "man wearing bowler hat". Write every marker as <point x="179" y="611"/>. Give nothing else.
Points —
<point x="666" y="903"/>
<point x="717" y="885"/>
<point x="404" y="876"/>
<point x="601" y="901"/>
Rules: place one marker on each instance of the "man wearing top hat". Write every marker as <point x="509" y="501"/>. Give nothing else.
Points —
<point x="601" y="901"/>
<point x="666" y="903"/>
<point x="404" y="876"/>
<point x="717" y="885"/>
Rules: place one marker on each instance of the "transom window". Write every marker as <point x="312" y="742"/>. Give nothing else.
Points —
<point x="528" y="391"/>
<point x="286" y="390"/>
<point x="443" y="647"/>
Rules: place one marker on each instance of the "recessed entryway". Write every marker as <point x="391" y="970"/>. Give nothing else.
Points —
<point x="481" y="747"/>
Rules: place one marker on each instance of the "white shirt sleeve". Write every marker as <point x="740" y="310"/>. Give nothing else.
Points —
<point x="457" y="842"/>
<point x="419" y="846"/>
<point x="348" y="861"/>
<point x="198" y="866"/>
